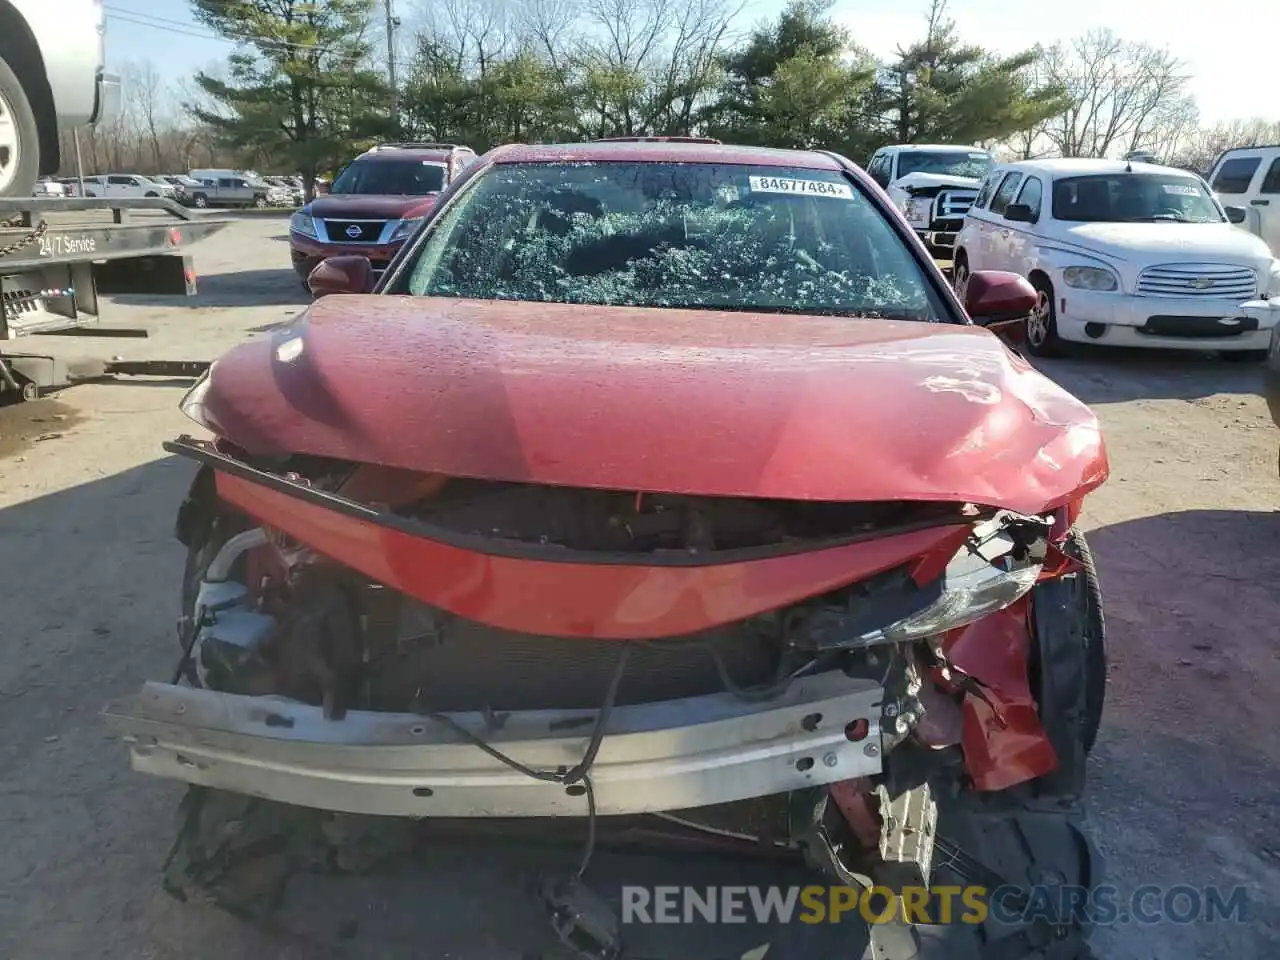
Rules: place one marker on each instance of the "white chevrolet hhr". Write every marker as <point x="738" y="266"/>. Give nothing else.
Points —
<point x="1123" y="254"/>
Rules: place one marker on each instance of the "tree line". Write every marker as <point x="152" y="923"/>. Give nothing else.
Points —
<point x="310" y="83"/>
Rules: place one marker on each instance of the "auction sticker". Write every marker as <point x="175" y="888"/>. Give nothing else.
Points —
<point x="812" y="188"/>
<point x="1182" y="189"/>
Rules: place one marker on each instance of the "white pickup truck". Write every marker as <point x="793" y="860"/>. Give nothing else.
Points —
<point x="52" y="77"/>
<point x="933" y="185"/>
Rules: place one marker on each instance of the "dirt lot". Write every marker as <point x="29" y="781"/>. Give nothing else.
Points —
<point x="1186" y="775"/>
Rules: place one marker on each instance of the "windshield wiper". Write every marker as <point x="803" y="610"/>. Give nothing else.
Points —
<point x="1158" y="218"/>
<point x="860" y="313"/>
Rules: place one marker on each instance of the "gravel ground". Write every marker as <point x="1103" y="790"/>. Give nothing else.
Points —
<point x="1186" y="777"/>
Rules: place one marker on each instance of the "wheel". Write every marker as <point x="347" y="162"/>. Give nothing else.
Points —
<point x="1042" y="326"/>
<point x="960" y="276"/>
<point x="259" y="202"/>
<point x="1243" y="356"/>
<point x="200" y="200"/>
<point x="1095" y="642"/>
<point x="19" y="138"/>
<point x="30" y="391"/>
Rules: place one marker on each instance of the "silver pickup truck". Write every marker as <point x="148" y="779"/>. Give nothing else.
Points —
<point x="52" y="77"/>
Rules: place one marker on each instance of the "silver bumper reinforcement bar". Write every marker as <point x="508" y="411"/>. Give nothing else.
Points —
<point x="669" y="755"/>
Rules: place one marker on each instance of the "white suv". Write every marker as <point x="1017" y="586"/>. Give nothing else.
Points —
<point x="1123" y="254"/>
<point x="1249" y="178"/>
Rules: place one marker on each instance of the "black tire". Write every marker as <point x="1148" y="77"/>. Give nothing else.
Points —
<point x="200" y="200"/>
<point x="1095" y="639"/>
<point x="960" y="275"/>
<point x="260" y="201"/>
<point x="1244" y="356"/>
<point x="20" y="159"/>
<point x="1042" y="327"/>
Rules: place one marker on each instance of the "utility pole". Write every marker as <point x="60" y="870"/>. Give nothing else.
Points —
<point x="392" y="23"/>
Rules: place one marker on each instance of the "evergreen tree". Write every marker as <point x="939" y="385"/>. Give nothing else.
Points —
<point x="300" y="90"/>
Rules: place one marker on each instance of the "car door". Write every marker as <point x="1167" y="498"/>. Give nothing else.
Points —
<point x="1019" y="239"/>
<point x="118" y="186"/>
<point x="1267" y="203"/>
<point x="996" y="230"/>
<point x="1234" y="176"/>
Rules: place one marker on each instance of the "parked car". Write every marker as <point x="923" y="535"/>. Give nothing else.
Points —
<point x="92" y="186"/>
<point x="49" y="188"/>
<point x="292" y="194"/>
<point x="933" y="185"/>
<point x="1123" y="254"/>
<point x="1249" y="178"/>
<point x="182" y="184"/>
<point x="375" y="203"/>
<point x="652" y="475"/>
<point x="52" y="77"/>
<point x="134" y="185"/>
<point x="234" y="190"/>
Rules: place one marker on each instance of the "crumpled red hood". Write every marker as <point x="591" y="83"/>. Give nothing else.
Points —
<point x="676" y="401"/>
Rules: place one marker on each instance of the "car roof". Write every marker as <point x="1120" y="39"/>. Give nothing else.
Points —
<point x="665" y="151"/>
<point x="1083" y="166"/>
<point x="937" y="148"/>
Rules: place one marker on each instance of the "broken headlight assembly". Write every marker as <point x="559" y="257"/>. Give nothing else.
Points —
<point x="998" y="563"/>
<point x="192" y="403"/>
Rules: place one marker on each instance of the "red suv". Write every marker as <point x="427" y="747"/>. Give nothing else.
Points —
<point x="375" y="203"/>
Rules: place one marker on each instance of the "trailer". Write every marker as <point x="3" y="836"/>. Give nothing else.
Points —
<point x="59" y="255"/>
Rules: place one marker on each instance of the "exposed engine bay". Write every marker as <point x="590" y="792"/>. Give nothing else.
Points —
<point x="833" y="726"/>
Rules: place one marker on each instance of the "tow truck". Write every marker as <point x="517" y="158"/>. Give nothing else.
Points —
<point x="58" y="256"/>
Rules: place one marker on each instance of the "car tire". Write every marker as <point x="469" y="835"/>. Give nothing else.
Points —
<point x="1042" y="326"/>
<point x="1095" y="641"/>
<point x="200" y="201"/>
<point x="19" y="138"/>
<point x="1244" y="356"/>
<point x="260" y="202"/>
<point x="151" y="193"/>
<point x="960" y="276"/>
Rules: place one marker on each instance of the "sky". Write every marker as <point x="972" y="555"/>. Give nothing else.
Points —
<point x="1228" y="83"/>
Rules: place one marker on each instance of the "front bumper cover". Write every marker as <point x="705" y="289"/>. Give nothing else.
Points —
<point x="661" y="756"/>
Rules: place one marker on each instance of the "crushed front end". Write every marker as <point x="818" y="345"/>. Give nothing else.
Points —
<point x="368" y="640"/>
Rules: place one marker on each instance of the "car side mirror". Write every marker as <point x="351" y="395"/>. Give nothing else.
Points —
<point x="346" y="274"/>
<point x="1019" y="213"/>
<point x="1001" y="302"/>
<point x="1236" y="214"/>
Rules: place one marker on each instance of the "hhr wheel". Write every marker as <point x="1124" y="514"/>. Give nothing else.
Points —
<point x="19" y="138"/>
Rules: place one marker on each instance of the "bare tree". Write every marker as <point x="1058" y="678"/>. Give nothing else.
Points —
<point x="1201" y="149"/>
<point x="150" y="96"/>
<point x="1122" y="93"/>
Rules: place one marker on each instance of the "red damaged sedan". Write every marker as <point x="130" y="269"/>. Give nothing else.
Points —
<point x="652" y="478"/>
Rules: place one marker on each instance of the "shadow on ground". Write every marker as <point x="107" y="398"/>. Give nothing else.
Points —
<point x="1186" y="777"/>
<point x="1099" y="375"/>
<point x="243" y="288"/>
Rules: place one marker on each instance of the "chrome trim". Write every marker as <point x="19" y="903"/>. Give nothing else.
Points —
<point x="953" y="204"/>
<point x="384" y="236"/>
<point x="657" y="756"/>
<point x="1215" y="281"/>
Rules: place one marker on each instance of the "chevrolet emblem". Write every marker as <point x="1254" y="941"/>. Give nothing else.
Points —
<point x="1202" y="283"/>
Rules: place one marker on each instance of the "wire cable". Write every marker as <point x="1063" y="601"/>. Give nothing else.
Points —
<point x="580" y="772"/>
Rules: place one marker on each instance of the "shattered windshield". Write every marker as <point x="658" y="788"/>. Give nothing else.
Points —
<point x="1133" y="198"/>
<point x="390" y="178"/>
<point x="946" y="163"/>
<point x="708" y="236"/>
